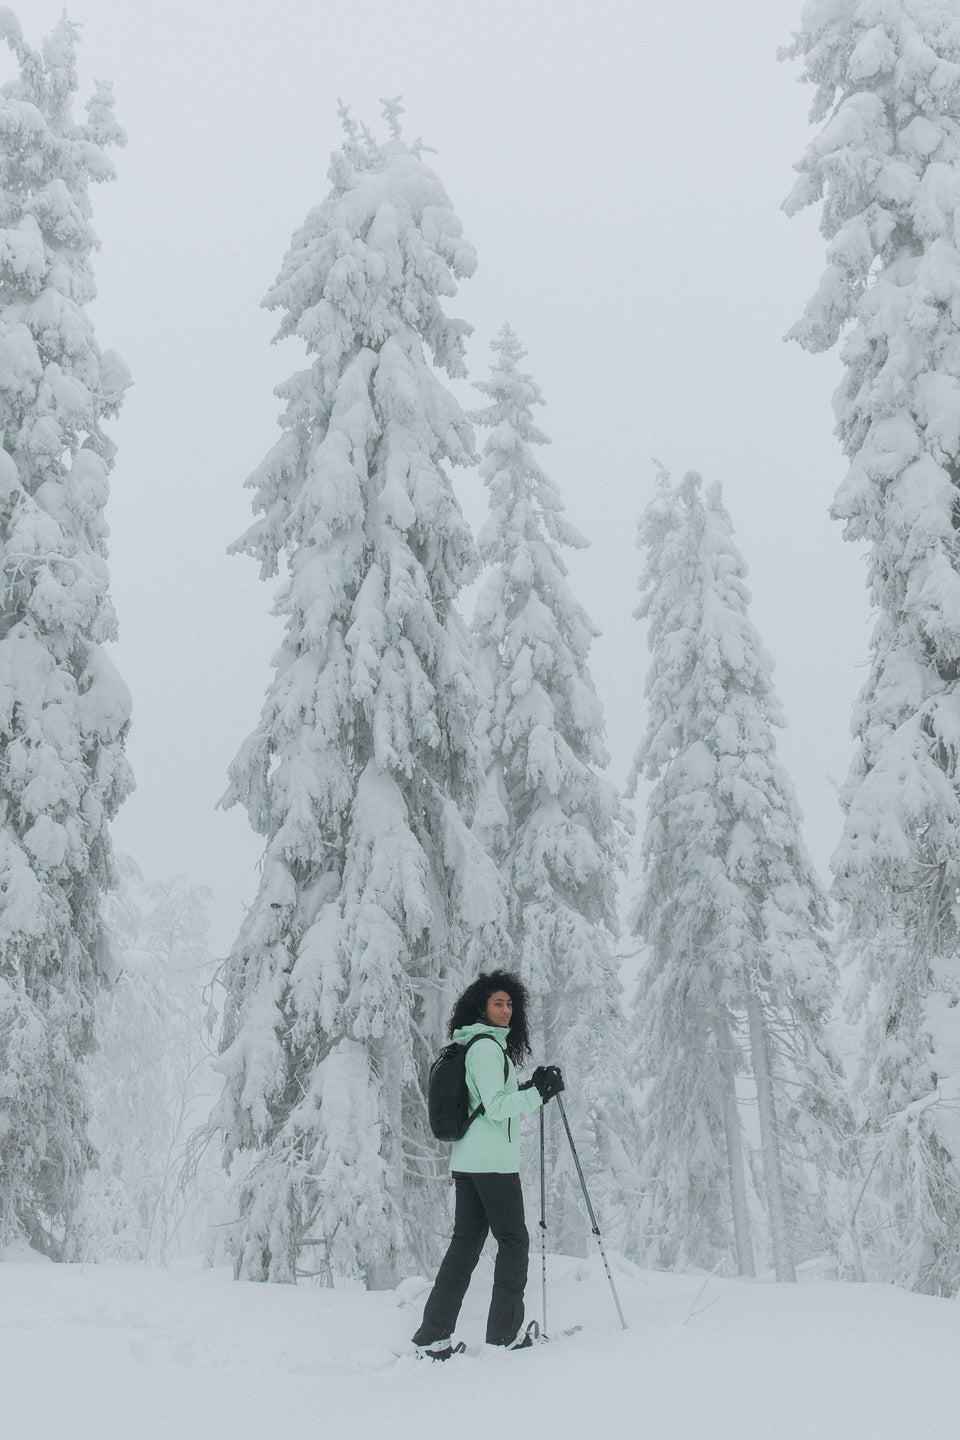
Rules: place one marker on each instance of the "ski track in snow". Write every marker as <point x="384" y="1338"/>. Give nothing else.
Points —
<point x="113" y="1352"/>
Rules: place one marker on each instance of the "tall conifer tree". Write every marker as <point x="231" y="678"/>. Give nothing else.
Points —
<point x="737" y="979"/>
<point x="64" y="711"/>
<point x="363" y="771"/>
<point x="552" y="822"/>
<point x="886" y="166"/>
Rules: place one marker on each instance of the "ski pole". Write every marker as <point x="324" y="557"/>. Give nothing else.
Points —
<point x="543" y="1225"/>
<point x="593" y="1218"/>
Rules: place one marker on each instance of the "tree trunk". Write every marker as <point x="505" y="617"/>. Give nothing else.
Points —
<point x="383" y="1272"/>
<point x="769" y="1142"/>
<point x="735" y="1167"/>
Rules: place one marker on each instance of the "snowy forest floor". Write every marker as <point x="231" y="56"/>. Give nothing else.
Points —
<point x="110" y="1352"/>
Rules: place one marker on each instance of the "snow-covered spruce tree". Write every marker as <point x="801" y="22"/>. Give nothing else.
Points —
<point x="553" y="824"/>
<point x="64" y="711"/>
<point x="364" y="770"/>
<point x="737" y="978"/>
<point x="150" y="1080"/>
<point x="886" y="164"/>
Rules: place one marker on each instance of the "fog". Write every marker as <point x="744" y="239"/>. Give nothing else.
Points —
<point x="620" y="168"/>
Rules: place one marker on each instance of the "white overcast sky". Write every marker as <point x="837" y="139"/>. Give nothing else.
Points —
<point x="620" y="166"/>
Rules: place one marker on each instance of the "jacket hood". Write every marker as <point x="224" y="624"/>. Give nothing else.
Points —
<point x="467" y="1032"/>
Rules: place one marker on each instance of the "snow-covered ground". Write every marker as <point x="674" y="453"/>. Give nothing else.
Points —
<point x="113" y="1352"/>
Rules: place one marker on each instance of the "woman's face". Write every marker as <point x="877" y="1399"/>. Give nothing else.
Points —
<point x="499" y="1009"/>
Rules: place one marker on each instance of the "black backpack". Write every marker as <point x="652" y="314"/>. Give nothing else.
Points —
<point x="448" y="1100"/>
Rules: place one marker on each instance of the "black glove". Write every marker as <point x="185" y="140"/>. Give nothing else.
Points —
<point x="548" y="1081"/>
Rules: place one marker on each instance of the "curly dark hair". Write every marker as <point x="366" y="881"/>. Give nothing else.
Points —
<point x="471" y="1005"/>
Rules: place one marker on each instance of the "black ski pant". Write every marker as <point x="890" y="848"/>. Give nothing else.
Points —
<point x="485" y="1203"/>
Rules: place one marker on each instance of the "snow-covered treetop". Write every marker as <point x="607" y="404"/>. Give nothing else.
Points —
<point x="509" y="468"/>
<point x="363" y="286"/>
<point x="546" y="722"/>
<point x="387" y="234"/>
<point x="694" y="595"/>
<point x="48" y="160"/>
<point x="887" y="74"/>
<point x="526" y="609"/>
<point x="392" y="110"/>
<point x="723" y="833"/>
<point x="56" y="386"/>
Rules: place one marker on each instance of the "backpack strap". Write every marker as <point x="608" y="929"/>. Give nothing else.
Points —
<point x="506" y="1069"/>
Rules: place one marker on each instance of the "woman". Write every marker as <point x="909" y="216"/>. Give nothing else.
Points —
<point x="485" y="1165"/>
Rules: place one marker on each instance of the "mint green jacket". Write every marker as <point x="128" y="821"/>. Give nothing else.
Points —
<point x="493" y="1141"/>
